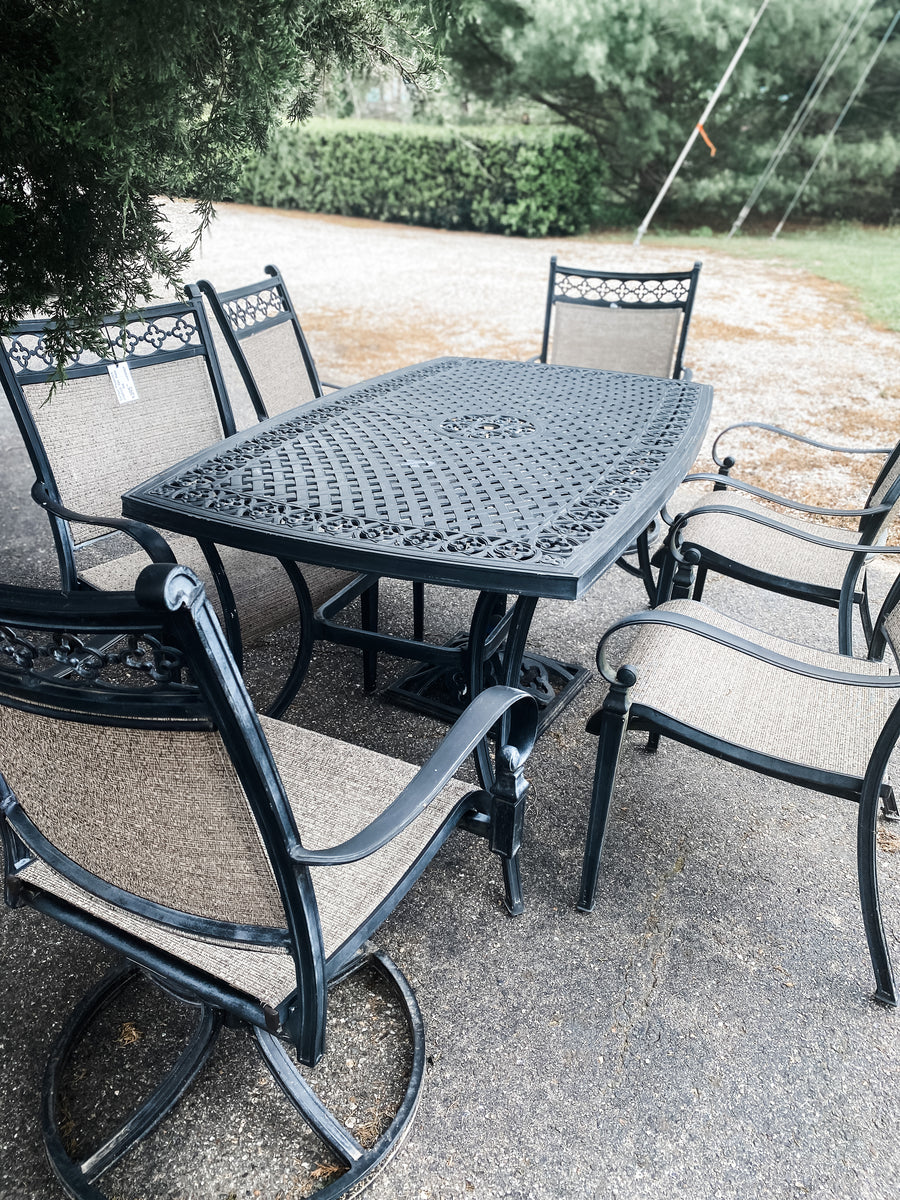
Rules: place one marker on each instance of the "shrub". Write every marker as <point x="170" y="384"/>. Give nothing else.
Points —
<point x="530" y="181"/>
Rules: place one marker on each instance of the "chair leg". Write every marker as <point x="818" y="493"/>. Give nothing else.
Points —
<point x="362" y="1164"/>
<point x="652" y="741"/>
<point x="683" y="580"/>
<point x="867" y="868"/>
<point x="512" y="883"/>
<point x="418" y="596"/>
<point x="369" y="613"/>
<point x="612" y="724"/>
<point x="643" y="553"/>
<point x="665" y="578"/>
<point x="889" y="809"/>
<point x="78" y="1178"/>
<point x="699" y="583"/>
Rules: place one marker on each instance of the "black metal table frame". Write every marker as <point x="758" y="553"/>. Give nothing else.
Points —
<point x="245" y="491"/>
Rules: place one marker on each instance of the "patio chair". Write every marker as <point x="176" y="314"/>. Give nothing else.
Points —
<point x="621" y="321"/>
<point x="730" y="532"/>
<point x="816" y="719"/>
<point x="96" y="434"/>
<point x="238" y="862"/>
<point x="262" y="331"/>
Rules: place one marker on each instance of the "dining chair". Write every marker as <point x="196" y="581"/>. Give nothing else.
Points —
<point x="262" y="331"/>
<point x="621" y="321"/>
<point x="238" y="863"/>
<point x="817" y="719"/>
<point x="154" y="398"/>
<point x="730" y="529"/>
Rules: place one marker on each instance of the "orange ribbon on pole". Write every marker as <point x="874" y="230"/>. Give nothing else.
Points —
<point x="705" y="136"/>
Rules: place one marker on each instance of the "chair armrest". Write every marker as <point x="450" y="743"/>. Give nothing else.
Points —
<point x="805" y="535"/>
<point x="728" y="481"/>
<point x="797" y="437"/>
<point x="659" y="616"/>
<point x="475" y="723"/>
<point x="154" y="543"/>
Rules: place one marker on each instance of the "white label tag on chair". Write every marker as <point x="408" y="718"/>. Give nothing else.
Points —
<point x="123" y="383"/>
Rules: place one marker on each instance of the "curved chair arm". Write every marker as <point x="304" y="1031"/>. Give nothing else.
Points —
<point x="154" y="543"/>
<point x="658" y="616"/>
<point x="475" y="723"/>
<point x="866" y="548"/>
<point x="728" y="462"/>
<point x="726" y="481"/>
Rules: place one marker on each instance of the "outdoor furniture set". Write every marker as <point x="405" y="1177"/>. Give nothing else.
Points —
<point x="513" y="480"/>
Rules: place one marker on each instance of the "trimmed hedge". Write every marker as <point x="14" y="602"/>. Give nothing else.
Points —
<point x="530" y="181"/>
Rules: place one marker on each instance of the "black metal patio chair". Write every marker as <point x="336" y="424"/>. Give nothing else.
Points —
<point x="621" y="321"/>
<point x="156" y="397"/>
<point x="238" y="862"/>
<point x="732" y="530"/>
<point x="261" y="328"/>
<point x="819" y="720"/>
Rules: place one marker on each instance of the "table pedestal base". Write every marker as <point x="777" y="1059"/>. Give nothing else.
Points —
<point x="443" y="692"/>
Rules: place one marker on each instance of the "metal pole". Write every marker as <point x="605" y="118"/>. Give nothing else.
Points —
<point x="642" y="228"/>
<point x="836" y="126"/>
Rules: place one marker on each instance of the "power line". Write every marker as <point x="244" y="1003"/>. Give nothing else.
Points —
<point x="839" y="48"/>
<point x="836" y="126"/>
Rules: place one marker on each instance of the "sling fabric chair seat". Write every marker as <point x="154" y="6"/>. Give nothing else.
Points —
<point x="240" y="863"/>
<point x="731" y="696"/>
<point x="814" y="718"/>
<point x="725" y="537"/>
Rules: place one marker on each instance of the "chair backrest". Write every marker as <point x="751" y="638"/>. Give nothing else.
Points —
<point x="108" y="427"/>
<point x="262" y="331"/>
<point x="618" y="321"/>
<point x="133" y="764"/>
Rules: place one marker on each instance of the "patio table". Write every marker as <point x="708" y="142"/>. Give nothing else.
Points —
<point x="507" y="478"/>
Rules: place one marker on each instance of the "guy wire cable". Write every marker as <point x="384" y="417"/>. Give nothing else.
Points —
<point x="836" y="126"/>
<point x="802" y="113"/>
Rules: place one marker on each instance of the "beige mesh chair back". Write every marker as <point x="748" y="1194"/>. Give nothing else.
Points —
<point x="261" y="329"/>
<point x="239" y="862"/>
<point x="153" y="398"/>
<point x="618" y="322"/>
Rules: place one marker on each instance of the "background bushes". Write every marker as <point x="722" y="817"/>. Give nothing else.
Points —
<point x="523" y="180"/>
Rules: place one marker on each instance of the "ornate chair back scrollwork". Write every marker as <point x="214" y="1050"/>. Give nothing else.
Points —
<point x="144" y="803"/>
<point x="155" y="397"/>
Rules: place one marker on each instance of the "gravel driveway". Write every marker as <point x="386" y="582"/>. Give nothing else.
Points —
<point x="777" y="344"/>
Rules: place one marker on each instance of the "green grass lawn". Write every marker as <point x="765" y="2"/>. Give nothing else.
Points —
<point x="867" y="260"/>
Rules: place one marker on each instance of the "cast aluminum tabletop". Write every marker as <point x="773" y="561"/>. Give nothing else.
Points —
<point x="508" y="477"/>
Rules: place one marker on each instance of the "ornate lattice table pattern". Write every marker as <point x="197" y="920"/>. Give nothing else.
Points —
<point x="514" y="477"/>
